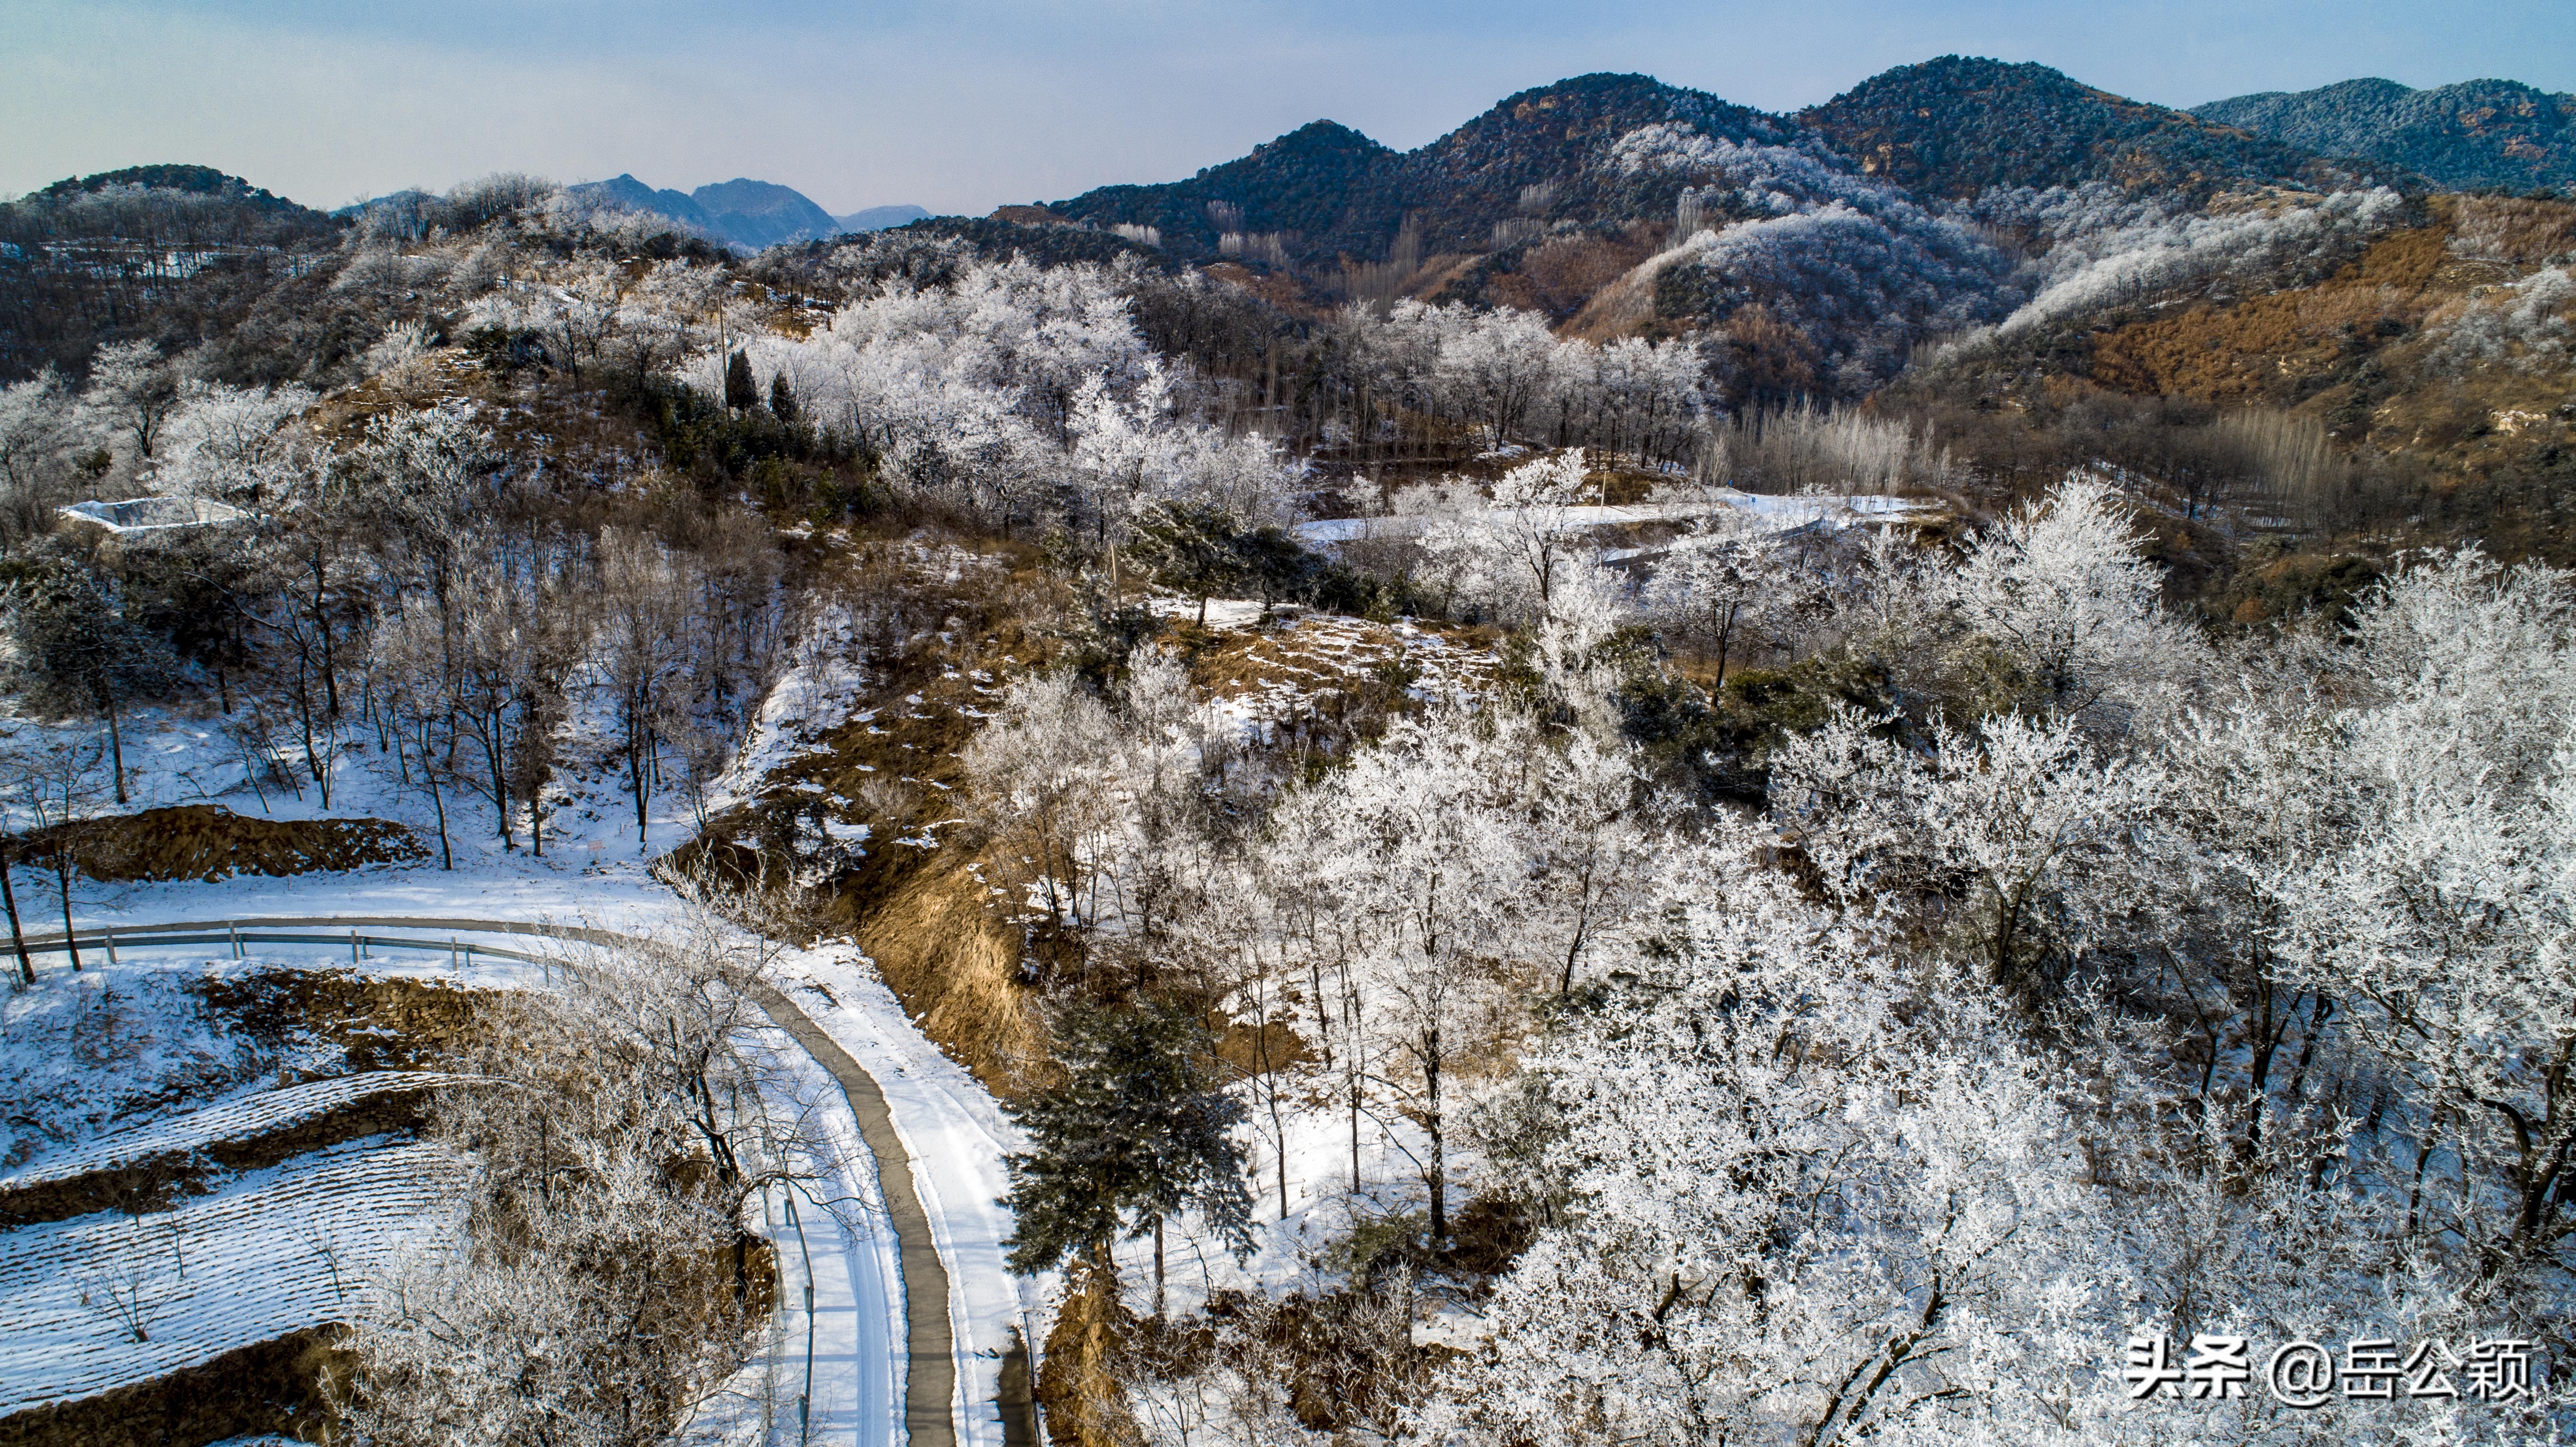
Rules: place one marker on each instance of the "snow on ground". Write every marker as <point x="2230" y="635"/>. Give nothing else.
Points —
<point x="1221" y="612"/>
<point x="858" y="1319"/>
<point x="243" y="1119"/>
<point x="270" y="1251"/>
<point x="837" y="1240"/>
<point x="956" y="1134"/>
<point x="107" y="1300"/>
<point x="591" y="875"/>
<point x="858" y="1314"/>
<point x="1774" y="513"/>
<point x="813" y="696"/>
<point x="1282" y="674"/>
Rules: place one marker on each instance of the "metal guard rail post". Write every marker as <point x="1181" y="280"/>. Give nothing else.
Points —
<point x="232" y="935"/>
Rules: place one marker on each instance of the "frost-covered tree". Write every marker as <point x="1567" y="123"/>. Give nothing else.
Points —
<point x="1046" y="770"/>
<point x="1815" y="1199"/>
<point x="1511" y="553"/>
<point x="2442" y="917"/>
<point x="598" y="1288"/>
<point x="2069" y="614"/>
<point x="132" y="391"/>
<point x="38" y="421"/>
<point x="1723" y="589"/>
<point x="1419" y="847"/>
<point x="234" y="444"/>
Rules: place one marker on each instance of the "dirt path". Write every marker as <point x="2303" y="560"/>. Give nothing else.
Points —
<point x="930" y="1379"/>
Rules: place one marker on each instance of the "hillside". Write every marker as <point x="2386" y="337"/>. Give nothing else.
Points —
<point x="1957" y="125"/>
<point x="679" y="206"/>
<point x="760" y="214"/>
<point x="188" y="179"/>
<point x="1815" y="250"/>
<point x="1625" y="779"/>
<point x="155" y="251"/>
<point x="1568" y="154"/>
<point x="2477" y="133"/>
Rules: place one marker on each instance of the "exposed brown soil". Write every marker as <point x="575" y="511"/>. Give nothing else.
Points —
<point x="206" y="842"/>
<point x="265" y="1388"/>
<point x="375" y="1023"/>
<point x="955" y="963"/>
<point x="1077" y="1375"/>
<point x="156" y="1182"/>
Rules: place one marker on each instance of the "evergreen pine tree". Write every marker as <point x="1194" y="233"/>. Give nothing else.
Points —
<point x="1191" y="548"/>
<point x="782" y="400"/>
<point x="741" y="391"/>
<point x="1137" y="1133"/>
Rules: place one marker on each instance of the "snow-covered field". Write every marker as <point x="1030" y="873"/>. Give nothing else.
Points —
<point x="105" y="1300"/>
<point x="1763" y="512"/>
<point x="233" y="1120"/>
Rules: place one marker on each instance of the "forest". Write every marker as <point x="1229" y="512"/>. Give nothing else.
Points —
<point x="1889" y="814"/>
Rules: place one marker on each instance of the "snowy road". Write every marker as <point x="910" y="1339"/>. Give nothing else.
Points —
<point x="853" y="1279"/>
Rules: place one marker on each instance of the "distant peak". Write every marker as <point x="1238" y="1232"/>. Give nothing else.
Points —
<point x="1323" y="135"/>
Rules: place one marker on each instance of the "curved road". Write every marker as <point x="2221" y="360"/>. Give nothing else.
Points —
<point x="930" y="1376"/>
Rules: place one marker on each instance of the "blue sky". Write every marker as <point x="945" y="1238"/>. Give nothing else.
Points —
<point x="966" y="105"/>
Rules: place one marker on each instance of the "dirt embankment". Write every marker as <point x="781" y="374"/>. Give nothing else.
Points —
<point x="267" y="1388"/>
<point x="207" y="842"/>
<point x="942" y="645"/>
<point x="156" y="1182"/>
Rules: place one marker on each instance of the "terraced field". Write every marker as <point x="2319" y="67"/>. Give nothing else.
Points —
<point x="108" y="1299"/>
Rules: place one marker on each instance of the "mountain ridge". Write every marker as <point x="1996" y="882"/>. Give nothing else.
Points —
<point x="2467" y="135"/>
<point x="751" y="214"/>
<point x="1956" y="125"/>
<point x="1552" y="156"/>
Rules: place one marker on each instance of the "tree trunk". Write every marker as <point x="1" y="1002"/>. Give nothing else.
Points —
<point x="1435" y="1175"/>
<point x="1158" y="1268"/>
<point x="330" y="663"/>
<point x="116" y="750"/>
<point x="639" y="768"/>
<point x="492" y="750"/>
<point x="63" y="881"/>
<point x="437" y="802"/>
<point x="17" y="938"/>
<point x="304" y="715"/>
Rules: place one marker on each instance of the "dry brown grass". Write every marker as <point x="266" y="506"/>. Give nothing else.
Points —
<point x="941" y="651"/>
<point x="206" y="842"/>
<point x="2258" y="349"/>
<point x="1078" y="1383"/>
<point x="375" y="1022"/>
<point x="2511" y="229"/>
<point x="1322" y="665"/>
<point x="954" y="961"/>
<point x="1559" y="277"/>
